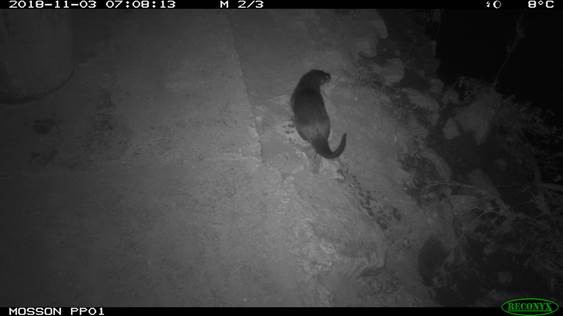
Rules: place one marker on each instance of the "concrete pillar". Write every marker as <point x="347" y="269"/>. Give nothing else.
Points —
<point x="35" y="53"/>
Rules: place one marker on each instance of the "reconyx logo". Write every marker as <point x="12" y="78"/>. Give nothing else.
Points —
<point x="530" y="306"/>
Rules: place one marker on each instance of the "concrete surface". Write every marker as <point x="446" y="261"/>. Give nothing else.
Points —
<point x="163" y="173"/>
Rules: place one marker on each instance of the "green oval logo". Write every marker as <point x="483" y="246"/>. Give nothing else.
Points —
<point x="530" y="306"/>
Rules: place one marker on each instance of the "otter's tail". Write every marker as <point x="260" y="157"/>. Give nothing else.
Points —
<point x="321" y="147"/>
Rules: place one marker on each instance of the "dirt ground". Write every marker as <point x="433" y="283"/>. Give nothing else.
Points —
<point x="167" y="173"/>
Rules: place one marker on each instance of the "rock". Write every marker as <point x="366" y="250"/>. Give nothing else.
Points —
<point x="450" y="97"/>
<point x="366" y="47"/>
<point x="436" y="86"/>
<point x="450" y="129"/>
<point x="439" y="163"/>
<point x="481" y="180"/>
<point x="476" y="118"/>
<point x="421" y="100"/>
<point x="392" y="72"/>
<point x="380" y="27"/>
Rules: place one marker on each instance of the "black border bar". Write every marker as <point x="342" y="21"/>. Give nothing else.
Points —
<point x="493" y="5"/>
<point x="141" y="311"/>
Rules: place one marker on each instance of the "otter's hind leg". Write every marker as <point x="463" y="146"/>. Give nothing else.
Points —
<point x="314" y="160"/>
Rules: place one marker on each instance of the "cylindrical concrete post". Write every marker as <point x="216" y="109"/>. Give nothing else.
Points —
<point x="35" y="53"/>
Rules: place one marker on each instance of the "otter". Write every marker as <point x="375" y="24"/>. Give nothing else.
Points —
<point x="310" y="116"/>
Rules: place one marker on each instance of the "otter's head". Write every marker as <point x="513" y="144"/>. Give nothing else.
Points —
<point x="316" y="77"/>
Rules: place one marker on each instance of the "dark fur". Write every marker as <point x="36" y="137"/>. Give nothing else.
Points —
<point x="310" y="116"/>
